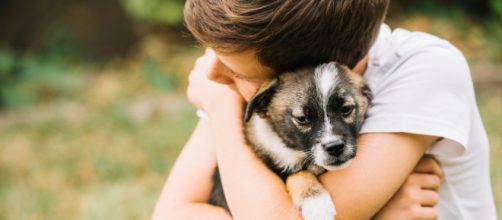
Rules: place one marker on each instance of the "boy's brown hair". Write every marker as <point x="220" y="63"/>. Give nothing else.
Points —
<point x="288" y="34"/>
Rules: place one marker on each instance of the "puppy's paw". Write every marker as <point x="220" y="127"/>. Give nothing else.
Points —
<point x="320" y="207"/>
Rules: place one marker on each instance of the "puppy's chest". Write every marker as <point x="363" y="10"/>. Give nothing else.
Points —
<point x="269" y="146"/>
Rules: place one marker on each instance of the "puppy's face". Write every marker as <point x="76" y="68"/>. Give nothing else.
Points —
<point x="318" y="111"/>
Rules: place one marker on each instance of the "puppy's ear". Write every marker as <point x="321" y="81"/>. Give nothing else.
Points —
<point x="364" y="103"/>
<point x="260" y="101"/>
<point x="366" y="91"/>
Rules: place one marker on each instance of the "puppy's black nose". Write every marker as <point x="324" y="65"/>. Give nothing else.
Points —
<point x="335" y="148"/>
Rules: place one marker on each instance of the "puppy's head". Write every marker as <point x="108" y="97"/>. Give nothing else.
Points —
<point x="317" y="110"/>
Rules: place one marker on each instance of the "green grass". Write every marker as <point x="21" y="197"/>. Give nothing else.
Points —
<point x="53" y="167"/>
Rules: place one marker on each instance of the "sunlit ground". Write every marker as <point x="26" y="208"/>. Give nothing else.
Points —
<point x="104" y="151"/>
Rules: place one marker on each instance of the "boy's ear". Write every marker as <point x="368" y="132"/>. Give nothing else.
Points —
<point x="260" y="101"/>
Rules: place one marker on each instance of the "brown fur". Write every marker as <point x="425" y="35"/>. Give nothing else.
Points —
<point x="303" y="185"/>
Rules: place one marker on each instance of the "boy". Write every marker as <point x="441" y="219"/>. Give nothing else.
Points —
<point x="424" y="103"/>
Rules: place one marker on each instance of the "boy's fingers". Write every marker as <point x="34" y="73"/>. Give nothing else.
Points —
<point x="426" y="180"/>
<point x="428" y="198"/>
<point x="429" y="165"/>
<point x="428" y="213"/>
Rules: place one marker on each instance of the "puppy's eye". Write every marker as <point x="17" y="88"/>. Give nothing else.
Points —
<point x="301" y="120"/>
<point x="346" y="110"/>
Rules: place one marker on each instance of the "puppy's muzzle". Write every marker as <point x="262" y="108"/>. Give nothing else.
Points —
<point x="334" y="154"/>
<point x="334" y="148"/>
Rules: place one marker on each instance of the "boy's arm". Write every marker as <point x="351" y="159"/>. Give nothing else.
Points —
<point x="383" y="163"/>
<point x="417" y="196"/>
<point x="188" y="187"/>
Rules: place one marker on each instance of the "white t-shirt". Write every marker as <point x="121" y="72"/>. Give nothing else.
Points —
<point x="422" y="85"/>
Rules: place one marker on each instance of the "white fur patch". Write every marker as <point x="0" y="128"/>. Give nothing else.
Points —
<point x="320" y="155"/>
<point x="271" y="143"/>
<point x="327" y="133"/>
<point x="320" y="207"/>
<point x="326" y="78"/>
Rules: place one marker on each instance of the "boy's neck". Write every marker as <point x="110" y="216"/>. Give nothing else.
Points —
<point x="361" y="66"/>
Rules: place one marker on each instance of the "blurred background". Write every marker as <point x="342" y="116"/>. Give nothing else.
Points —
<point x="92" y="106"/>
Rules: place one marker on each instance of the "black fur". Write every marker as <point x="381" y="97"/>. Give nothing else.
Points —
<point x="217" y="197"/>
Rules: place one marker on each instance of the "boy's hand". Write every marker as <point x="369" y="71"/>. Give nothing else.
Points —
<point x="201" y="91"/>
<point x="418" y="195"/>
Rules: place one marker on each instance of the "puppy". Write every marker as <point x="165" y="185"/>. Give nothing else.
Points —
<point x="304" y="123"/>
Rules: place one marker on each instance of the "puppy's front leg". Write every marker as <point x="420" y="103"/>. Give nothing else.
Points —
<point x="310" y="196"/>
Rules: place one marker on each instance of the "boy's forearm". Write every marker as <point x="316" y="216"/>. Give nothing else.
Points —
<point x="186" y="192"/>
<point x="383" y="163"/>
<point x="251" y="189"/>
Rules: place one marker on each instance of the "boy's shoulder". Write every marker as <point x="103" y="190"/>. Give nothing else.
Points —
<point x="403" y="52"/>
<point x="421" y="85"/>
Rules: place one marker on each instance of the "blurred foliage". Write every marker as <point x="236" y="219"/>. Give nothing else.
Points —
<point x="101" y="30"/>
<point x="494" y="30"/>
<point x="29" y="80"/>
<point x="494" y="40"/>
<point x="497" y="9"/>
<point x="60" y="72"/>
<point x="168" y="12"/>
<point x="449" y="20"/>
<point x="455" y="14"/>
<point x="157" y="78"/>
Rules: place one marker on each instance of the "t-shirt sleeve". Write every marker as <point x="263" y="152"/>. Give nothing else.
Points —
<point x="429" y="93"/>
